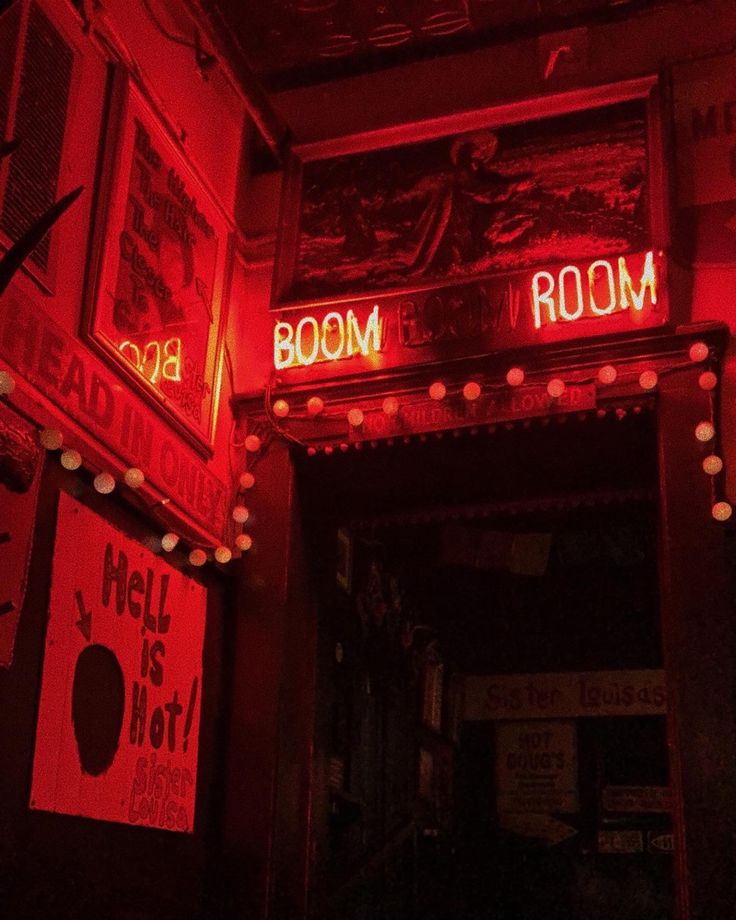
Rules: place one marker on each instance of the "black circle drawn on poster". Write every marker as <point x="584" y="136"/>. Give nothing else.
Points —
<point x="98" y="704"/>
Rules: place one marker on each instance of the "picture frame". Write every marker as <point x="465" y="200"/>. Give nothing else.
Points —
<point x="472" y="196"/>
<point x="162" y="257"/>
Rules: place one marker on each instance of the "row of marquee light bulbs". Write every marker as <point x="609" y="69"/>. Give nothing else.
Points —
<point x="104" y="482"/>
<point x="52" y="439"/>
<point x="704" y="431"/>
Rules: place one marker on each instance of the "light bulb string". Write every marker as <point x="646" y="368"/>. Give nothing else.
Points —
<point x="331" y="414"/>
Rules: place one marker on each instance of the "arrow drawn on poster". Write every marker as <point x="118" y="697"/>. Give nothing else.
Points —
<point x="84" y="623"/>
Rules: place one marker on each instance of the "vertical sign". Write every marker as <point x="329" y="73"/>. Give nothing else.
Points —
<point x="705" y="124"/>
<point x="118" y="723"/>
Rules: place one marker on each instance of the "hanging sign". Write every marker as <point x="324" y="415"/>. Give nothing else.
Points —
<point x="536" y="767"/>
<point x="18" y="497"/>
<point x="569" y="694"/>
<point x="118" y="723"/>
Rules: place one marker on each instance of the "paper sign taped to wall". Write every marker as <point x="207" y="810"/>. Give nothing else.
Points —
<point x="118" y="723"/>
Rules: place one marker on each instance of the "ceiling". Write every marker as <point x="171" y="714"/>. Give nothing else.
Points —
<point x="289" y="43"/>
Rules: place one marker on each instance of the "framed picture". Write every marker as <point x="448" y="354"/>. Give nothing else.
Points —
<point x="162" y="247"/>
<point x="472" y="196"/>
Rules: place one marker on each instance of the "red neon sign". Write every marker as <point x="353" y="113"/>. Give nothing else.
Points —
<point x="597" y="296"/>
<point x="155" y="359"/>
<point x="568" y="297"/>
<point x="331" y="339"/>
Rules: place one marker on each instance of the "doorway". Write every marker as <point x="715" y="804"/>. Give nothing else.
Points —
<point x="500" y="557"/>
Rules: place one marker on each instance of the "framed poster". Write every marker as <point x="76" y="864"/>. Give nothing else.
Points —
<point x="118" y="722"/>
<point x="554" y="180"/>
<point x="157" y="309"/>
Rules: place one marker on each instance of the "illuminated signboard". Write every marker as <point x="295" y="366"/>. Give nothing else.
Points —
<point x="157" y="311"/>
<point x="570" y="301"/>
<point x="334" y="337"/>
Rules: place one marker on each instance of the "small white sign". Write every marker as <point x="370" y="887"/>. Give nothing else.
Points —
<point x="536" y="767"/>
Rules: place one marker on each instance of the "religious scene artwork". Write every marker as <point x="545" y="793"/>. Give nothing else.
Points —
<point x="494" y="200"/>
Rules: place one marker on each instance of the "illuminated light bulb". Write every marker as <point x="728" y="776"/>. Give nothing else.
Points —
<point x="240" y="514"/>
<point x="391" y="405"/>
<point x="712" y="465"/>
<point x="329" y="449"/>
<point x="556" y="387"/>
<point x="722" y="511"/>
<point x="134" y="478"/>
<point x="252" y="443"/>
<point x="311" y="451"/>
<point x="197" y="557"/>
<point x="247" y="480"/>
<point x="344" y="447"/>
<point x="515" y="377"/>
<point x="471" y="391"/>
<point x="71" y="459"/>
<point x="648" y="380"/>
<point x="223" y="554"/>
<point x="169" y="541"/>
<point x="699" y="351"/>
<point x="315" y="405"/>
<point x="704" y="431"/>
<point x="51" y="438"/>
<point x="104" y="483"/>
<point x="244" y="541"/>
<point x="607" y="374"/>
<point x="7" y="383"/>
<point x="355" y="418"/>
<point x="281" y="408"/>
<point x="707" y="381"/>
<point x="437" y="390"/>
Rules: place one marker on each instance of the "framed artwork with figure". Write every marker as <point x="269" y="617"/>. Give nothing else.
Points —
<point x="472" y="196"/>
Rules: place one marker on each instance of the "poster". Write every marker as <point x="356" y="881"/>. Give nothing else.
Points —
<point x="158" y="306"/>
<point x="536" y="767"/>
<point x="20" y="466"/>
<point x="118" y="722"/>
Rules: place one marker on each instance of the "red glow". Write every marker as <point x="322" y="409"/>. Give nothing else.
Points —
<point x="568" y="298"/>
<point x="332" y="339"/>
<point x="155" y="359"/>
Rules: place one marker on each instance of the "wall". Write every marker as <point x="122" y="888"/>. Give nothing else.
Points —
<point x="124" y="35"/>
<point x="54" y="864"/>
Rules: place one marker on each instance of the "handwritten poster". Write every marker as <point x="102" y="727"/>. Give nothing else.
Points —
<point x="536" y="767"/>
<point x="118" y="722"/>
